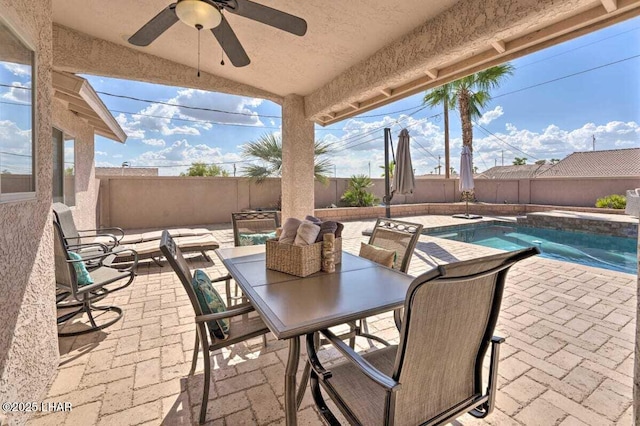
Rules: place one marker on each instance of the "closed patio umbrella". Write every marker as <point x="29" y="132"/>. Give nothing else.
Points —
<point x="466" y="180"/>
<point x="404" y="180"/>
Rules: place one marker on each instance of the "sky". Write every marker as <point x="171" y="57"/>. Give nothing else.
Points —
<point x="556" y="101"/>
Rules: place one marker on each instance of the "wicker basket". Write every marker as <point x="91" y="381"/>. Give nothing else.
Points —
<point x="295" y="260"/>
<point x="338" y="250"/>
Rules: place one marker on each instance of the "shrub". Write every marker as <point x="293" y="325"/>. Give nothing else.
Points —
<point x="614" y="201"/>
<point x="357" y="194"/>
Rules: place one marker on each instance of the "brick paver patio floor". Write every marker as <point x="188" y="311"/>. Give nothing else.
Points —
<point x="568" y="358"/>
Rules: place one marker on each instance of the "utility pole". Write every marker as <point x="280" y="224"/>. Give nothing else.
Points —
<point x="234" y="169"/>
<point x="335" y="171"/>
<point x="503" y="157"/>
<point x="495" y="162"/>
<point x="369" y="169"/>
<point x="439" y="166"/>
<point x="593" y="142"/>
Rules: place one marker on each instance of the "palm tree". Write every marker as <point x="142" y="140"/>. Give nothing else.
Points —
<point x="268" y="149"/>
<point x="443" y="95"/>
<point x="472" y="93"/>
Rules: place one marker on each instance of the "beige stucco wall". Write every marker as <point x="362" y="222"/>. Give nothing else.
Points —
<point x="84" y="212"/>
<point x="154" y="202"/>
<point x="126" y="171"/>
<point x="28" y="339"/>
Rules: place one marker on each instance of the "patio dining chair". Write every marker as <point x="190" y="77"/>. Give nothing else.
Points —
<point x="241" y="327"/>
<point x="435" y="372"/>
<point x="250" y="228"/>
<point x="398" y="236"/>
<point x="82" y="281"/>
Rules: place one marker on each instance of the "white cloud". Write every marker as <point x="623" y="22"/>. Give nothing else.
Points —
<point x="19" y="70"/>
<point x="117" y="155"/>
<point x="489" y="116"/>
<point x="101" y="153"/>
<point x="154" y="142"/>
<point x="18" y="92"/>
<point x="15" y="148"/>
<point x="181" y="154"/>
<point x="161" y="118"/>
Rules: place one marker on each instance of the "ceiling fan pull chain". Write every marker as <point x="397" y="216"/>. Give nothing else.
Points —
<point x="198" y="27"/>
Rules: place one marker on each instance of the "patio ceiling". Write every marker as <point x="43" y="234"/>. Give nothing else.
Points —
<point x="356" y="55"/>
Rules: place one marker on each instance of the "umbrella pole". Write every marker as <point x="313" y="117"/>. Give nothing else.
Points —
<point x="387" y="189"/>
<point x="467" y="206"/>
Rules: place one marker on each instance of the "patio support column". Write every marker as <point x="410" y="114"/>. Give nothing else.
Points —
<point x="298" y="137"/>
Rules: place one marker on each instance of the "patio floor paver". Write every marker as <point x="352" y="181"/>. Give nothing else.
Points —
<point x="567" y="360"/>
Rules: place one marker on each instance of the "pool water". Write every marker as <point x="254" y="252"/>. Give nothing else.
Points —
<point x="614" y="253"/>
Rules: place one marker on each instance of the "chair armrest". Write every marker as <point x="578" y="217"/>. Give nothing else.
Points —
<point x="75" y="247"/>
<point x="101" y="231"/>
<point x="314" y="361"/>
<point x="365" y="367"/>
<point x="104" y="255"/>
<point x="223" y="278"/>
<point x="114" y="241"/>
<point x="236" y="311"/>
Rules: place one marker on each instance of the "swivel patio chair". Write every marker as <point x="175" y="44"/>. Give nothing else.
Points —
<point x="398" y="236"/>
<point x="80" y="296"/>
<point x="72" y="235"/>
<point x="434" y="374"/>
<point x="242" y="326"/>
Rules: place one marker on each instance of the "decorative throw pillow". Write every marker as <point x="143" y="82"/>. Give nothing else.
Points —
<point x="82" y="274"/>
<point x="328" y="227"/>
<point x="255" y="239"/>
<point x="339" y="230"/>
<point x="210" y="303"/>
<point x="289" y="230"/>
<point x="307" y="233"/>
<point x="379" y="255"/>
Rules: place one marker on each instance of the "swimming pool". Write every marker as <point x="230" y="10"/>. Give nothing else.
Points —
<point x="601" y="251"/>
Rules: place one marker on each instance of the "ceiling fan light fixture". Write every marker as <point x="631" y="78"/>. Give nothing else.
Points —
<point x="198" y="13"/>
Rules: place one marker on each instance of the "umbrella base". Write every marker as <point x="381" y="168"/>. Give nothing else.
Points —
<point x="466" y="216"/>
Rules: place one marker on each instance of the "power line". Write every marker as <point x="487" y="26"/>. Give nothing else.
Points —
<point x="489" y="133"/>
<point x="133" y="98"/>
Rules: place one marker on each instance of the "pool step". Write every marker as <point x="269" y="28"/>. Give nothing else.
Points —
<point x="596" y="223"/>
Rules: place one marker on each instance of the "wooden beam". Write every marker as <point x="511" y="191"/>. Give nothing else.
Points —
<point x="355" y="105"/>
<point x="433" y="73"/>
<point x="387" y="92"/>
<point x="610" y="5"/>
<point x="499" y="46"/>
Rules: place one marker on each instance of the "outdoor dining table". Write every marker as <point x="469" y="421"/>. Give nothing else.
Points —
<point x="293" y="307"/>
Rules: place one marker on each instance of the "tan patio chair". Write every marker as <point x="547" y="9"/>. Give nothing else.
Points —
<point x="244" y="225"/>
<point x="242" y="326"/>
<point x="435" y="373"/>
<point x="72" y="235"/>
<point x="78" y="298"/>
<point x="398" y="236"/>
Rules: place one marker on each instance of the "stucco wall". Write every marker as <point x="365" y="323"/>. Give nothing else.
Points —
<point x="153" y="202"/>
<point x="126" y="171"/>
<point x="28" y="339"/>
<point x="84" y="212"/>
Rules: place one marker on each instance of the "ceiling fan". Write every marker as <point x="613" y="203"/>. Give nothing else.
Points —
<point x="207" y="14"/>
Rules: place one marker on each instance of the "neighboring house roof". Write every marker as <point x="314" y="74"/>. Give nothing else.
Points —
<point x="526" y="171"/>
<point x="615" y="162"/>
<point x="80" y="98"/>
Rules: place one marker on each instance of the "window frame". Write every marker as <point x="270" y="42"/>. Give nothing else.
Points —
<point x="30" y="195"/>
<point x="66" y="137"/>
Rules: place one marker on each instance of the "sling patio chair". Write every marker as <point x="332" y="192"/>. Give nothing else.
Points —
<point x="82" y="281"/>
<point x="250" y="228"/>
<point x="400" y="237"/>
<point x="434" y="374"/>
<point x="241" y="325"/>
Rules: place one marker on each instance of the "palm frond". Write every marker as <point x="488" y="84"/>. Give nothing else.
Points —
<point x="257" y="173"/>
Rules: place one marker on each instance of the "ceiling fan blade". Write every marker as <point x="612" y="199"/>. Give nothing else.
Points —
<point x="269" y="16"/>
<point x="155" y="27"/>
<point x="230" y="44"/>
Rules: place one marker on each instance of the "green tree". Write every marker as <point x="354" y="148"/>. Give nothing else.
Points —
<point x="554" y="160"/>
<point x="392" y="168"/>
<point x="357" y="193"/>
<point x="472" y="94"/>
<point x="443" y="95"/>
<point x="268" y="149"/>
<point x="200" y="168"/>
<point x="518" y="161"/>
<point x="541" y="162"/>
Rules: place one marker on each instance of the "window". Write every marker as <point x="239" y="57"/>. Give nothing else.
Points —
<point x="17" y="154"/>
<point x="64" y="168"/>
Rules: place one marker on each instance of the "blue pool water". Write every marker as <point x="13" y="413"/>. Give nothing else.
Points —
<point x="601" y="251"/>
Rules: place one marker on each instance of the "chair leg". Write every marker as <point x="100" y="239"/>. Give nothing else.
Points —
<point x="320" y="402"/>
<point x="207" y="383"/>
<point x="88" y="309"/>
<point x="264" y="340"/>
<point x="227" y="289"/>
<point x="196" y="350"/>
